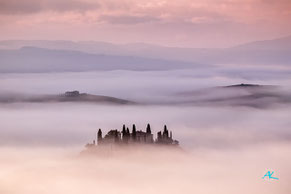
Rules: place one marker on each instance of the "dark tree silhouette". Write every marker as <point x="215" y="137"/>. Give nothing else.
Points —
<point x="165" y="128"/>
<point x="99" y="136"/>
<point x="99" y="133"/>
<point x="124" y="133"/>
<point x="149" y="131"/>
<point x="133" y="132"/>
<point x="166" y="132"/>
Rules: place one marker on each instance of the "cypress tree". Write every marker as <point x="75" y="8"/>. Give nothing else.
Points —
<point x="123" y="132"/>
<point x="166" y="132"/>
<point x="99" y="136"/>
<point x="149" y="131"/>
<point x="165" y="128"/>
<point x="133" y="132"/>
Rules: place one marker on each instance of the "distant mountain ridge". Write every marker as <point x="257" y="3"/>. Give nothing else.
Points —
<point x="68" y="56"/>
<point x="283" y="43"/>
<point x="37" y="60"/>
<point x="102" y="47"/>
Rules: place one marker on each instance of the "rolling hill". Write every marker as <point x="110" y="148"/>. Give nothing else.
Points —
<point x="73" y="96"/>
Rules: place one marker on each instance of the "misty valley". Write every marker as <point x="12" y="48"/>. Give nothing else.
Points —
<point x="79" y="117"/>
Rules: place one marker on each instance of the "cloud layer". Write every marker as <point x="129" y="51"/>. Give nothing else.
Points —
<point x="36" y="6"/>
<point x="167" y="22"/>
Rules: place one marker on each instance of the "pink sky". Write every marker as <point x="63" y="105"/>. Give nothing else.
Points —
<point x="190" y="23"/>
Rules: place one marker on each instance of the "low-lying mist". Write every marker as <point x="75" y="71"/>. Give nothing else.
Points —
<point x="75" y="124"/>
<point x="225" y="149"/>
<point x="204" y="171"/>
<point x="139" y="85"/>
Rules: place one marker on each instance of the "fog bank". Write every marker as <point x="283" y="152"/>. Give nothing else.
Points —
<point x="204" y="171"/>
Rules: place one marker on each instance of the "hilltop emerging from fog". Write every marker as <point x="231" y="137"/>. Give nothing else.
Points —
<point x="250" y="95"/>
<point x="70" y="96"/>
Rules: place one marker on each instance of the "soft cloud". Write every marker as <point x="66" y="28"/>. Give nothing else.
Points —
<point x="176" y="10"/>
<point x="35" y="6"/>
<point x="193" y="23"/>
<point x="127" y="19"/>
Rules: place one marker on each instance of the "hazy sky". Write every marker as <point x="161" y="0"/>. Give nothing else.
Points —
<point x="192" y="23"/>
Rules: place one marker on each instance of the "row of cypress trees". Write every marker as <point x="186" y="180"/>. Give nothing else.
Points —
<point x="126" y="134"/>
